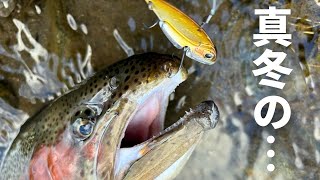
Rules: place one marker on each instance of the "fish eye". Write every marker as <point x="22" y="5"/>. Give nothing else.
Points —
<point x="83" y="128"/>
<point x="208" y="55"/>
<point x="84" y="121"/>
<point x="86" y="129"/>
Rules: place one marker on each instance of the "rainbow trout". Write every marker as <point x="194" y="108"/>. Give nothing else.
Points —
<point x="111" y="127"/>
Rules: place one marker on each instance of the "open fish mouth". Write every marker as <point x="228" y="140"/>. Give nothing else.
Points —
<point x="144" y="136"/>
<point x="149" y="117"/>
<point x="140" y="131"/>
<point x="148" y="120"/>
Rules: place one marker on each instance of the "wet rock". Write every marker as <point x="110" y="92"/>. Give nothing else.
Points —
<point x="6" y="7"/>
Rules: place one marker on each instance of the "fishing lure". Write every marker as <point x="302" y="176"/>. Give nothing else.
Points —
<point x="183" y="32"/>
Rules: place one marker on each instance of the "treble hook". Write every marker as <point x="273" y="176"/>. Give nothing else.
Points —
<point x="153" y="25"/>
<point x="185" y="49"/>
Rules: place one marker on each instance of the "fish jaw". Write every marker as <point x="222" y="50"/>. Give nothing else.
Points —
<point x="174" y="145"/>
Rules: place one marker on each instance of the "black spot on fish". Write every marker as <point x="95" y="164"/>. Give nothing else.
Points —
<point x="126" y="87"/>
<point x="137" y="72"/>
<point x="127" y="78"/>
<point x="120" y="94"/>
<point x="126" y="71"/>
<point x="143" y="69"/>
<point x="132" y="68"/>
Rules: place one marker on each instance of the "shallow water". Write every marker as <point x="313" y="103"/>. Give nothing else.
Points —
<point x="48" y="46"/>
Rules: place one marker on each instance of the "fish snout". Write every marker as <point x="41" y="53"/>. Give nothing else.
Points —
<point x="172" y="68"/>
<point x="211" y="112"/>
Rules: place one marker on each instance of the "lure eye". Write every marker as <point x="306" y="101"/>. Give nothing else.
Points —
<point x="208" y="55"/>
<point x="83" y="128"/>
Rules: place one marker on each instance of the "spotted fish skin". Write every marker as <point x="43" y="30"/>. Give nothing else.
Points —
<point x="50" y="131"/>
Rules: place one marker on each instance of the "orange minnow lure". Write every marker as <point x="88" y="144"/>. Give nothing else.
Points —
<point x="183" y="32"/>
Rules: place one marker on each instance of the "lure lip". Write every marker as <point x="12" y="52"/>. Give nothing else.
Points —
<point x="209" y="61"/>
